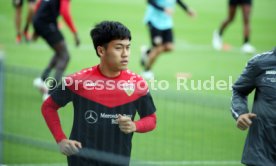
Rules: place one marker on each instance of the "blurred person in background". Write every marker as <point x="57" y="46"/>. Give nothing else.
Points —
<point x="46" y="26"/>
<point x="258" y="75"/>
<point x="245" y="6"/>
<point x="18" y="19"/>
<point x="106" y="98"/>
<point x="159" y="19"/>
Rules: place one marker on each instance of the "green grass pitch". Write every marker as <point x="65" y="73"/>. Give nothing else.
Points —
<point x="192" y="125"/>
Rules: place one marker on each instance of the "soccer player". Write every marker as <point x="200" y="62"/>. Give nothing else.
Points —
<point x="18" y="14"/>
<point x="259" y="75"/>
<point x="160" y="23"/>
<point x="45" y="25"/>
<point x="106" y="98"/>
<point x="246" y="11"/>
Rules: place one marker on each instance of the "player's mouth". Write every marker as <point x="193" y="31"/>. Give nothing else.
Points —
<point x="124" y="62"/>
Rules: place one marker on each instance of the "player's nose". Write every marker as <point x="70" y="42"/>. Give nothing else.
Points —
<point x="125" y="52"/>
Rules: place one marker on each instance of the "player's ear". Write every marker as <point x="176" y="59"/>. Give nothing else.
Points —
<point x="101" y="50"/>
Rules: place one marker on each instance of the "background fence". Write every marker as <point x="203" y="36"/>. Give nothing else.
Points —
<point x="192" y="129"/>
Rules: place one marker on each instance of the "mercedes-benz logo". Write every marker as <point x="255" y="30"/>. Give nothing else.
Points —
<point x="91" y="116"/>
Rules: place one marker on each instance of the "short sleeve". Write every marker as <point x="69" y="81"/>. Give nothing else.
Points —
<point x="145" y="105"/>
<point x="62" y="95"/>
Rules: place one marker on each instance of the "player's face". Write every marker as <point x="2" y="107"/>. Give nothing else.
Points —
<point x="116" y="54"/>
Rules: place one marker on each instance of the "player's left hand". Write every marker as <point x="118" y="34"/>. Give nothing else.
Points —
<point x="244" y="121"/>
<point x="191" y="13"/>
<point x="69" y="147"/>
<point x="77" y="39"/>
<point x="126" y="125"/>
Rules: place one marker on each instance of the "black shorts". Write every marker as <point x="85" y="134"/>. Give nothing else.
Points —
<point x="19" y="3"/>
<point x="239" y="2"/>
<point x="48" y="31"/>
<point x="160" y="36"/>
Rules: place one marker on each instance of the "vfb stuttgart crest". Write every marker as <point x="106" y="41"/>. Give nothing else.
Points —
<point x="129" y="88"/>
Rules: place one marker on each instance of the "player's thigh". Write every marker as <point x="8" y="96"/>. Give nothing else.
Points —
<point x="49" y="32"/>
<point x="155" y="35"/>
<point x="246" y="10"/>
<point x="17" y="3"/>
<point x="167" y="36"/>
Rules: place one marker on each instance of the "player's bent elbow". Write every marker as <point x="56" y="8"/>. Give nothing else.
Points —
<point x="48" y="107"/>
<point x="153" y="126"/>
<point x="44" y="108"/>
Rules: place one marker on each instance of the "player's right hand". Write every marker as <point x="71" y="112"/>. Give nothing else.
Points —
<point x="126" y="125"/>
<point x="69" y="147"/>
<point x="169" y="11"/>
<point x="245" y="120"/>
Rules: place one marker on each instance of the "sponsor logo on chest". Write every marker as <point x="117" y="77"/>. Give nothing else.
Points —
<point x="270" y="76"/>
<point x="270" y="72"/>
<point x="92" y="117"/>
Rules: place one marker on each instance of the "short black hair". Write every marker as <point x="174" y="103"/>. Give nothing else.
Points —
<point x="106" y="31"/>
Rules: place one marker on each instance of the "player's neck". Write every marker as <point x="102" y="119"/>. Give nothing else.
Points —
<point x="107" y="72"/>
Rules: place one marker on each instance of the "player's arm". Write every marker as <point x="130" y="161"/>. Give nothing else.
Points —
<point x="142" y="125"/>
<point x="185" y="7"/>
<point x="49" y="111"/>
<point x="60" y="97"/>
<point x="245" y="84"/>
<point x="146" y="110"/>
<point x="154" y="4"/>
<point x="37" y="5"/>
<point x="146" y="124"/>
<point x="65" y="12"/>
